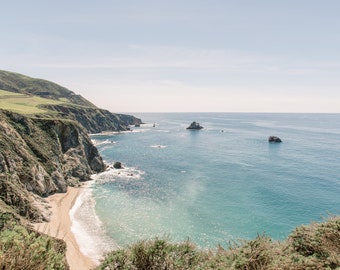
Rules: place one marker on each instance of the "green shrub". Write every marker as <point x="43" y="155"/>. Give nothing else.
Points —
<point x="318" y="244"/>
<point x="155" y="254"/>
<point x="256" y="254"/>
<point x="24" y="249"/>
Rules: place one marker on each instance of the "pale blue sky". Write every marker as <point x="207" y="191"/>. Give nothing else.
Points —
<point x="180" y="55"/>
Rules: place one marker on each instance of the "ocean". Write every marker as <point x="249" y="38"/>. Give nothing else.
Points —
<point x="212" y="186"/>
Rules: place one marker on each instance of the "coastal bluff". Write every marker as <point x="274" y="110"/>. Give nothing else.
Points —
<point x="45" y="155"/>
<point x="44" y="142"/>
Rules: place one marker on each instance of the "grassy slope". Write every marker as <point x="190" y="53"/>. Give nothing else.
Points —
<point x="44" y="99"/>
<point x="26" y="95"/>
<point x="25" y="104"/>
<point x="19" y="83"/>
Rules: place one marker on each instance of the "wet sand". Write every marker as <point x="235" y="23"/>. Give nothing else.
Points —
<point x="59" y="226"/>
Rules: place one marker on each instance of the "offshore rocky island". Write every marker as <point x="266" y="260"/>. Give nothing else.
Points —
<point x="45" y="148"/>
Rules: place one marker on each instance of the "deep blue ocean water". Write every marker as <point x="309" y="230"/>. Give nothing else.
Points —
<point x="221" y="183"/>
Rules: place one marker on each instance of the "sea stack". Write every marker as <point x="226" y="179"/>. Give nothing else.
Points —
<point x="274" y="139"/>
<point x="195" y="126"/>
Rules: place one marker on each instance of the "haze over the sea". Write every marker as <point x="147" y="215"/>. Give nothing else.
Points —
<point x="194" y="55"/>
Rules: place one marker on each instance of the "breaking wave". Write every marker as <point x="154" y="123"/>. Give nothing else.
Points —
<point x="87" y="227"/>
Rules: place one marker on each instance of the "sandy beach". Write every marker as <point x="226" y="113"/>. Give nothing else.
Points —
<point x="59" y="226"/>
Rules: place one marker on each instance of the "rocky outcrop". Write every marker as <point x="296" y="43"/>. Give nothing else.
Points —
<point x="44" y="156"/>
<point x="274" y="139"/>
<point x="17" y="199"/>
<point x="117" y="165"/>
<point x="195" y="125"/>
<point x="95" y="120"/>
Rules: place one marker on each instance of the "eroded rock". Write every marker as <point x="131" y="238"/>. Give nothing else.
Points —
<point x="274" y="139"/>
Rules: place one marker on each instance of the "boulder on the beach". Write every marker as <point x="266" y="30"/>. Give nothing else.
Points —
<point x="194" y="125"/>
<point x="274" y="139"/>
<point x="117" y="165"/>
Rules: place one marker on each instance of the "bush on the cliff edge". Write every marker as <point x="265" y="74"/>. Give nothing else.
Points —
<point x="21" y="248"/>
<point x="316" y="246"/>
<point x="155" y="254"/>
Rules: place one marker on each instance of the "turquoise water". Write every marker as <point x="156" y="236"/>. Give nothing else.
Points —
<point x="221" y="183"/>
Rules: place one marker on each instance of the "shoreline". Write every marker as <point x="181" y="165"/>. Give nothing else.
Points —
<point x="60" y="224"/>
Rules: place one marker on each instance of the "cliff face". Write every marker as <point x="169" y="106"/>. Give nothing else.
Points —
<point x="44" y="146"/>
<point x="66" y="104"/>
<point x="42" y="156"/>
<point x="95" y="120"/>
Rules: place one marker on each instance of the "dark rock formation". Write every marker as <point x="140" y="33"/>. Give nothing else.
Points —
<point x="95" y="120"/>
<point x="14" y="195"/>
<point x="274" y="139"/>
<point x="195" y="125"/>
<point x="44" y="156"/>
<point x="117" y="165"/>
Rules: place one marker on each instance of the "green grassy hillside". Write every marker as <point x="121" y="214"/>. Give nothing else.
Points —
<point x="25" y="104"/>
<point x="43" y="99"/>
<point x="18" y="83"/>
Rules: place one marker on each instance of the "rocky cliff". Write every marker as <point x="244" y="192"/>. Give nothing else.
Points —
<point x="41" y="157"/>
<point x="93" y="119"/>
<point x="43" y="153"/>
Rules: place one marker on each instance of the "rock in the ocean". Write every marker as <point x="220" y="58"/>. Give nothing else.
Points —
<point x="117" y="165"/>
<point x="194" y="125"/>
<point x="274" y="139"/>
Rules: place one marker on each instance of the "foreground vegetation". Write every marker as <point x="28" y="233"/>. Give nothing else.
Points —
<point x="22" y="248"/>
<point x="316" y="246"/>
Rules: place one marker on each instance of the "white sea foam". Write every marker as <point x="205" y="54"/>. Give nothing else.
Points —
<point x="105" y="133"/>
<point x="138" y="130"/>
<point x="162" y="130"/>
<point x="99" y="142"/>
<point x="112" y="174"/>
<point x="158" y="146"/>
<point x="88" y="228"/>
<point x="150" y="125"/>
